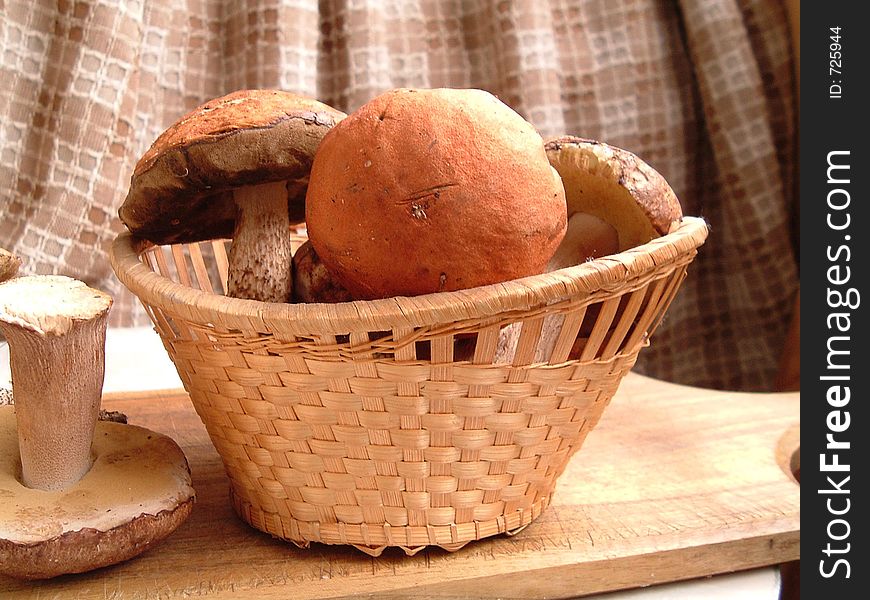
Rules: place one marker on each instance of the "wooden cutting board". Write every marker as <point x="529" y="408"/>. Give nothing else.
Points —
<point x="674" y="483"/>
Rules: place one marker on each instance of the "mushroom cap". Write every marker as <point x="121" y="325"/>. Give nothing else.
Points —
<point x="616" y="186"/>
<point x="136" y="493"/>
<point x="422" y="191"/>
<point x="312" y="281"/>
<point x="181" y="188"/>
<point x="50" y="304"/>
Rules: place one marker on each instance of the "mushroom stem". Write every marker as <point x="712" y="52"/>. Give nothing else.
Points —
<point x="586" y="237"/>
<point x="56" y="329"/>
<point x="260" y="259"/>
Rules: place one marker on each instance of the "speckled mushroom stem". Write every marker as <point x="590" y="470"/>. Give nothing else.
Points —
<point x="260" y="258"/>
<point x="58" y="365"/>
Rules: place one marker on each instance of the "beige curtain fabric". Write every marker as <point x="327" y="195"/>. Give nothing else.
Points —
<point x="701" y="89"/>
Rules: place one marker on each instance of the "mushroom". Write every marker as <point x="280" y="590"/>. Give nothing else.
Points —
<point x="236" y="166"/>
<point x="616" y="188"/>
<point x="422" y="191"/>
<point x="313" y="282"/>
<point x="615" y="201"/>
<point x="78" y="493"/>
<point x="9" y="264"/>
<point x="586" y="237"/>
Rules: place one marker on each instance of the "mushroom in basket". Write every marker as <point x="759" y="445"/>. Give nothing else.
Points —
<point x="422" y="191"/>
<point x="77" y="493"/>
<point x="312" y="281"/>
<point x="615" y="201"/>
<point x="238" y="167"/>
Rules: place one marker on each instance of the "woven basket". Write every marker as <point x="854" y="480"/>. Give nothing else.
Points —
<point x="433" y="420"/>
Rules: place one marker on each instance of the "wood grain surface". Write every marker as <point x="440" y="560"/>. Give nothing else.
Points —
<point x="674" y="483"/>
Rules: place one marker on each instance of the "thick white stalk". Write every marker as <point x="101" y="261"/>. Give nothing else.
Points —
<point x="56" y="329"/>
<point x="260" y="258"/>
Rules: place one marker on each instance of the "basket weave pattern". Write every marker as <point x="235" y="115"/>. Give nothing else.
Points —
<point x="406" y="422"/>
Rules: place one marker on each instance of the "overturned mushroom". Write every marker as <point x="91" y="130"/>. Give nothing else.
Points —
<point x="56" y="331"/>
<point x="78" y="493"/>
<point x="236" y="166"/>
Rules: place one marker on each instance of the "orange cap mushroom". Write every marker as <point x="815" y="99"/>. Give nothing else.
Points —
<point x="422" y="191"/>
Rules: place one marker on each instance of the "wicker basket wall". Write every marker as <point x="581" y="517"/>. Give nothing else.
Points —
<point x="433" y="420"/>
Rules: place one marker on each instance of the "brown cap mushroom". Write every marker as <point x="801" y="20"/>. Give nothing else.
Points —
<point x="312" y="281"/>
<point x="77" y="493"/>
<point x="236" y="166"/>
<point x="136" y="493"/>
<point x="616" y="189"/>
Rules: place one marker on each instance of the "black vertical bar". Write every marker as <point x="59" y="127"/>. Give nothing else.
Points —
<point x="834" y="260"/>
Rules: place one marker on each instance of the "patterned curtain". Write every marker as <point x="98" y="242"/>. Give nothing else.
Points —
<point x="701" y="89"/>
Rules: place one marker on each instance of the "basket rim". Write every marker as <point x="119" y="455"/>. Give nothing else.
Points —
<point x="579" y="281"/>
